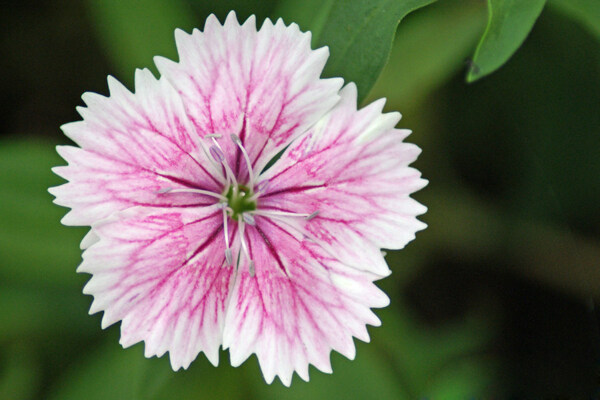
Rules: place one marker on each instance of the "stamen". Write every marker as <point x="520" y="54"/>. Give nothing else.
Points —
<point x="260" y="189"/>
<point x="217" y="154"/>
<point x="211" y="160"/>
<point x="214" y="138"/>
<point x="213" y="135"/>
<point x="236" y="139"/>
<point x="262" y="186"/>
<point x="313" y="215"/>
<point x="245" y="251"/>
<point x="190" y="190"/>
<point x="228" y="257"/>
<point x="249" y="219"/>
<point x="224" y="206"/>
<point x="274" y="213"/>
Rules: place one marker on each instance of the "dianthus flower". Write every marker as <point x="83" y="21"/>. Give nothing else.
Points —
<point x="198" y="242"/>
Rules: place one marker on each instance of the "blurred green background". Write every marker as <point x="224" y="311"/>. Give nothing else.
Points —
<point x="495" y="299"/>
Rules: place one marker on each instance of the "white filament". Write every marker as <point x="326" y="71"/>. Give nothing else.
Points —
<point x="217" y="157"/>
<point x="217" y="153"/>
<point x="216" y="166"/>
<point x="235" y="138"/>
<point x="199" y="191"/>
<point x="244" y="245"/>
<point x="275" y="213"/>
<point x="228" y="257"/>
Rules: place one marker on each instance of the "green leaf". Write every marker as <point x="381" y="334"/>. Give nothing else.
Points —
<point x="523" y="177"/>
<point x="368" y="376"/>
<point x="587" y="12"/>
<point x="310" y="15"/>
<point x="36" y="249"/>
<point x="108" y="373"/>
<point x="430" y="48"/>
<point x="111" y="372"/>
<point x="20" y="372"/>
<point x="405" y="360"/>
<point x="359" y="35"/>
<point x="509" y="23"/>
<point x="243" y="9"/>
<point x="132" y="32"/>
<point x="422" y="356"/>
<point x="40" y="314"/>
<point x="201" y="381"/>
<point x="40" y="294"/>
<point x="464" y="379"/>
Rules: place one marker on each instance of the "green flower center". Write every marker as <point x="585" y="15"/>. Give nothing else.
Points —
<point x="240" y="200"/>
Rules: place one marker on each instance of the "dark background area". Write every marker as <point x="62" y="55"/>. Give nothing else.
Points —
<point x="497" y="298"/>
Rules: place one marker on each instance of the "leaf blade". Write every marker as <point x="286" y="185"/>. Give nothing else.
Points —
<point x="509" y="23"/>
<point x="310" y="15"/>
<point x="360" y="46"/>
<point x="429" y="49"/>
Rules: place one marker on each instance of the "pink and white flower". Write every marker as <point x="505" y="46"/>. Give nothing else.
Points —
<point x="194" y="244"/>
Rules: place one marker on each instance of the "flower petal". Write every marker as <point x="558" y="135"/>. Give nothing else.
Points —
<point x="162" y="273"/>
<point x="132" y="146"/>
<point x="263" y="86"/>
<point x="353" y="169"/>
<point x="301" y="304"/>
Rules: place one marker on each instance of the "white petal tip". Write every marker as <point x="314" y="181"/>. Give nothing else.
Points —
<point x="180" y="33"/>
<point x="251" y="21"/>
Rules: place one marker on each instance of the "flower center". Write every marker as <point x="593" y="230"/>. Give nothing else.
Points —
<point x="240" y="199"/>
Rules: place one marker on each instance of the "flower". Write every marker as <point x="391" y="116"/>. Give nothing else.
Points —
<point x="196" y="242"/>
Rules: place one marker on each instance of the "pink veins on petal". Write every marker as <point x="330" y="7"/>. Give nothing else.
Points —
<point x="195" y="245"/>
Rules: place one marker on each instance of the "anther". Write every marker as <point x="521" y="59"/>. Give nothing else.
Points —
<point x="249" y="219"/>
<point x="213" y="136"/>
<point x="262" y="186"/>
<point x="313" y="215"/>
<point x="235" y="139"/>
<point x="164" y="190"/>
<point x="210" y="156"/>
<point x="252" y="269"/>
<point x="228" y="256"/>
<point x="217" y="154"/>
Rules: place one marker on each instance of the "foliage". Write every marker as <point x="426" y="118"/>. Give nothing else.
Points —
<point x="513" y="170"/>
<point x="509" y="22"/>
